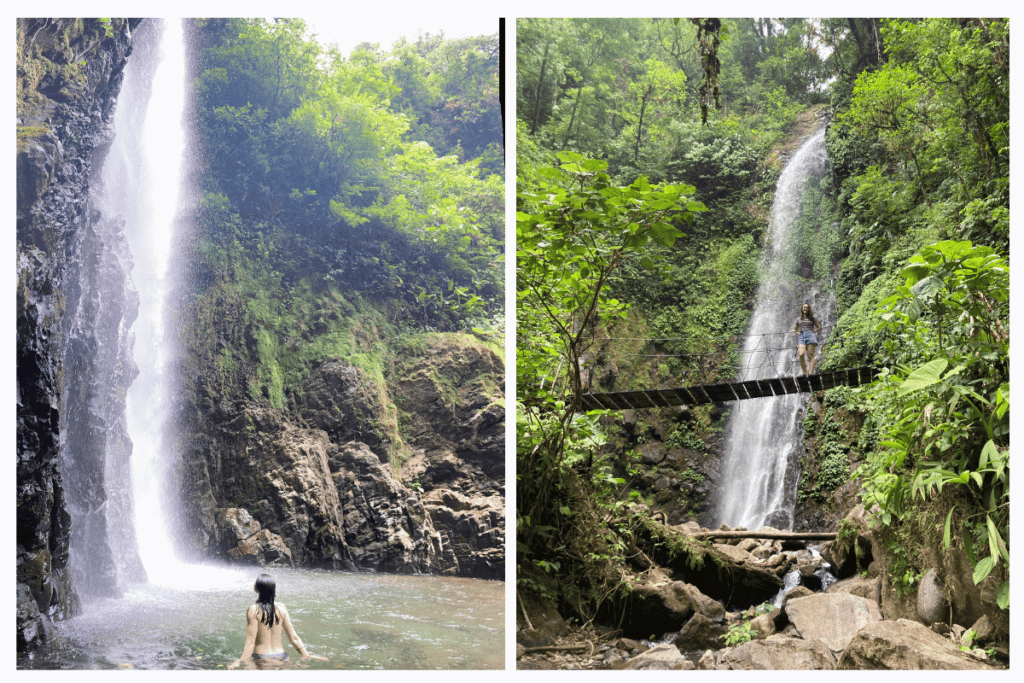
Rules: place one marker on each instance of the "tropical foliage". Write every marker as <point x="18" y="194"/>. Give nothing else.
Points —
<point x="332" y="184"/>
<point x="911" y="225"/>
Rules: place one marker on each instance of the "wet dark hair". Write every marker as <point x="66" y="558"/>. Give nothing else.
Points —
<point x="267" y="590"/>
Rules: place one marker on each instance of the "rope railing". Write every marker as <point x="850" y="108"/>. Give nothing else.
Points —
<point x="760" y="362"/>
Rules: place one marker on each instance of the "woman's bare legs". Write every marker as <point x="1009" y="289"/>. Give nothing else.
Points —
<point x="810" y="353"/>
<point x="801" y="352"/>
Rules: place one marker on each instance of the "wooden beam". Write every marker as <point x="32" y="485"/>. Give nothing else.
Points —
<point x="730" y="391"/>
<point x="772" y="535"/>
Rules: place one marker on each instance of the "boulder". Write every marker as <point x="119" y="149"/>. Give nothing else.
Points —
<point x="932" y="606"/>
<point x="850" y="554"/>
<point x="904" y="644"/>
<point x="796" y="592"/>
<point x="234" y="525"/>
<point x="764" y="624"/>
<point x="662" y="607"/>
<point x="984" y="631"/>
<point x="699" y="633"/>
<point x="663" y="657"/>
<point x="869" y="588"/>
<point x="261" y="549"/>
<point x="777" y="652"/>
<point x="833" y="618"/>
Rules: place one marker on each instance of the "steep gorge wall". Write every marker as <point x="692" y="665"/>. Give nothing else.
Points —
<point x="69" y="75"/>
<point x="318" y="482"/>
<point x="312" y="484"/>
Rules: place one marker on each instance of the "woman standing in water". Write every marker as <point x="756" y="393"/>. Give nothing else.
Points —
<point x="807" y="327"/>
<point x="265" y="622"/>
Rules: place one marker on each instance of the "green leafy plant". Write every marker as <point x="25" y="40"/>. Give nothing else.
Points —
<point x="950" y="414"/>
<point x="742" y="632"/>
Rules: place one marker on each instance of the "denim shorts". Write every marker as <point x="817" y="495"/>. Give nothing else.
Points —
<point x="807" y="338"/>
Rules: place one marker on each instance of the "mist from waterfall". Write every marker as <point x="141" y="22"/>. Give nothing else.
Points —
<point x="141" y="191"/>
<point x="158" y="177"/>
<point x="763" y="436"/>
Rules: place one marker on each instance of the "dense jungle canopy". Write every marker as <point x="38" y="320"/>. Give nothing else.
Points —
<point x="387" y="165"/>
<point x="639" y="220"/>
<point x="331" y="182"/>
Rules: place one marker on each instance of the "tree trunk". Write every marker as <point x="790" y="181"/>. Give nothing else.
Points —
<point x="540" y="86"/>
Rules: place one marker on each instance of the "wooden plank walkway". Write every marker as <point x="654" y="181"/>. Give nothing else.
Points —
<point x="735" y="391"/>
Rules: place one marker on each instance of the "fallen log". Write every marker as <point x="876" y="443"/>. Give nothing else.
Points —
<point x="771" y="535"/>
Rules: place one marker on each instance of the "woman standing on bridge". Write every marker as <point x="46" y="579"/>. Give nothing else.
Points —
<point x="807" y="327"/>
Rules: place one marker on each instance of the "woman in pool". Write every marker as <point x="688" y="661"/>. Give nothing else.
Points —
<point x="807" y="327"/>
<point x="266" y="621"/>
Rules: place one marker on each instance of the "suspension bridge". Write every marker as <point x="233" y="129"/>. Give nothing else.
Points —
<point x="768" y="366"/>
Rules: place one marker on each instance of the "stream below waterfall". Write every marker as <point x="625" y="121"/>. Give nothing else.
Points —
<point x="355" y="620"/>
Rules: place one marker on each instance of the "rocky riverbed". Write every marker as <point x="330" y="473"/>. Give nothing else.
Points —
<point x="813" y="622"/>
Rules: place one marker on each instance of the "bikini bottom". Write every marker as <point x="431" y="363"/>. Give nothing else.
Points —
<point x="273" y="655"/>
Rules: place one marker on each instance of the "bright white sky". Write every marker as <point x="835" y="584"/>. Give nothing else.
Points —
<point x="347" y="30"/>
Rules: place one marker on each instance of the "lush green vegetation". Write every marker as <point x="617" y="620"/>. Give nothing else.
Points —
<point x="911" y="224"/>
<point x="345" y="200"/>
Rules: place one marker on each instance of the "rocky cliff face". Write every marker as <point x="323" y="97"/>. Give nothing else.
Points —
<point x="318" y="483"/>
<point x="69" y="74"/>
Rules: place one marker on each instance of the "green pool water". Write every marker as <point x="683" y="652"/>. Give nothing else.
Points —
<point x="356" y="621"/>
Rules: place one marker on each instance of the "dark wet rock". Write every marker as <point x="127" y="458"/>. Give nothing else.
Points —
<point x="904" y="644"/>
<point x="666" y="606"/>
<point x="236" y="524"/>
<point x="323" y="475"/>
<point x="699" y="633"/>
<point x="386" y="529"/>
<point x="64" y="119"/>
<point x="854" y="553"/>
<point x="32" y="626"/>
<point x="263" y="548"/>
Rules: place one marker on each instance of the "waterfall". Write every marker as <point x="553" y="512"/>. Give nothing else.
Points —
<point x="763" y="436"/>
<point x="158" y="176"/>
<point x="138" y="193"/>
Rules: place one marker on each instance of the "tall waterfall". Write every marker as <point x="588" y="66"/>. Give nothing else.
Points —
<point x="139" y="192"/>
<point x="159" y="177"/>
<point x="763" y="436"/>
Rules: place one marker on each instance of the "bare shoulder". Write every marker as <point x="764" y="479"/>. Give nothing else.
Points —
<point x="280" y="606"/>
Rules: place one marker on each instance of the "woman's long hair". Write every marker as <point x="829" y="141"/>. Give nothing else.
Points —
<point x="267" y="590"/>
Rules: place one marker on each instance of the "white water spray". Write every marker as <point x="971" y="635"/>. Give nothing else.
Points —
<point x="157" y="180"/>
<point x="763" y="435"/>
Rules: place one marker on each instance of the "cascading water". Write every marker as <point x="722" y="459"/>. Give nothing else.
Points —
<point x="140" y="190"/>
<point x="763" y="436"/>
<point x="159" y="176"/>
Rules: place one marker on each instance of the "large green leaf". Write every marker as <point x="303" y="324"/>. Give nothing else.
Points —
<point x="983" y="569"/>
<point x="925" y="376"/>
<point x="1003" y="595"/>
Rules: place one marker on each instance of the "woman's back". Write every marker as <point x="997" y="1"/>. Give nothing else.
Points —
<point x="268" y="638"/>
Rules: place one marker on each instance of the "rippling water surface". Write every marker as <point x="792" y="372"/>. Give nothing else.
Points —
<point x="356" y="621"/>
